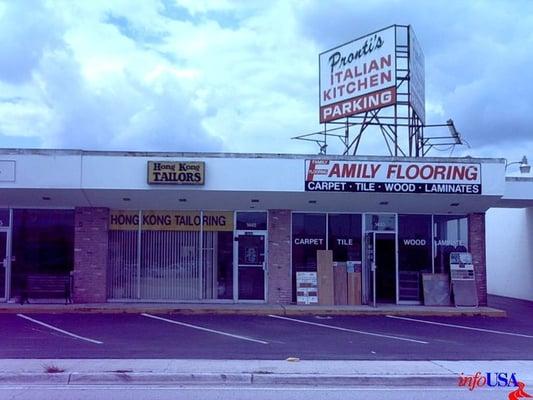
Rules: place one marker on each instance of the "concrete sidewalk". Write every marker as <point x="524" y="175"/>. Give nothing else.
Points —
<point x="237" y="372"/>
<point x="251" y="309"/>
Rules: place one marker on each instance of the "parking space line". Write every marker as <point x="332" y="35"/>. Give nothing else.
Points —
<point x="348" y="330"/>
<point x="201" y="328"/>
<point x="470" y="328"/>
<point x="59" y="330"/>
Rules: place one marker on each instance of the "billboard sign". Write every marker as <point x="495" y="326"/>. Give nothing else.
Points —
<point x="358" y="76"/>
<point x="392" y="177"/>
<point x="417" y="87"/>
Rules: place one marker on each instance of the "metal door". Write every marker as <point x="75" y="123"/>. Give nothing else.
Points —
<point x="251" y="267"/>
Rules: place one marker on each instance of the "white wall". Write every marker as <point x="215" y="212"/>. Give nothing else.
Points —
<point x="509" y="235"/>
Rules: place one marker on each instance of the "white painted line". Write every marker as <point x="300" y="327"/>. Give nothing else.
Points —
<point x="201" y="328"/>
<point x="348" y="330"/>
<point x="59" y="330"/>
<point x="461" y="326"/>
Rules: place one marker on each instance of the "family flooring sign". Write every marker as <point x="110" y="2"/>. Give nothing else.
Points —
<point x="392" y="177"/>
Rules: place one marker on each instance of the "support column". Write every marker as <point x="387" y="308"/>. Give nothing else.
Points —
<point x="90" y="254"/>
<point x="476" y="243"/>
<point x="279" y="257"/>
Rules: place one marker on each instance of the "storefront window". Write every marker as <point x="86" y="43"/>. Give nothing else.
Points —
<point x="308" y="236"/>
<point x="451" y="234"/>
<point x="4" y="217"/>
<point x="185" y="255"/>
<point x="344" y="237"/>
<point x="414" y="245"/>
<point x="381" y="222"/>
<point x="252" y="221"/>
<point x="43" y="243"/>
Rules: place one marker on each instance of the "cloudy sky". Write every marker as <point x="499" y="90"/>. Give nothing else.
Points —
<point x="242" y="76"/>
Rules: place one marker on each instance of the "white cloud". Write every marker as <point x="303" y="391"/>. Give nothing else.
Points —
<point x="242" y="76"/>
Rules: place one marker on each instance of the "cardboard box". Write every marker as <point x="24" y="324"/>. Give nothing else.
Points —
<point x="325" y="277"/>
<point x="340" y="280"/>
<point x="354" y="288"/>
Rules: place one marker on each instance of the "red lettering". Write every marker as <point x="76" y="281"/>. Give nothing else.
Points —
<point x="335" y="170"/>
<point x="374" y="169"/>
<point x="386" y="61"/>
<point x="439" y="172"/>
<point x="348" y="170"/>
<point x="426" y="172"/>
<point x="458" y="172"/>
<point x="471" y="173"/>
<point x="412" y="171"/>
<point x="373" y="66"/>
<point x="391" y="170"/>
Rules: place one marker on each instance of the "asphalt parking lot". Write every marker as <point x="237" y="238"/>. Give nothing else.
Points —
<point x="208" y="336"/>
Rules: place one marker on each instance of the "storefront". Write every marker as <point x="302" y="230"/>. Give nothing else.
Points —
<point x="187" y="255"/>
<point x="237" y="228"/>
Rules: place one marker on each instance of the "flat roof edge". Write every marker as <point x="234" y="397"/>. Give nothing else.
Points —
<point x="519" y="179"/>
<point x="16" y="151"/>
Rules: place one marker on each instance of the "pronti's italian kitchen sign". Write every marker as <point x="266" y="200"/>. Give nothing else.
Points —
<point x="209" y="221"/>
<point x="358" y="76"/>
<point x="392" y="177"/>
<point x="176" y="172"/>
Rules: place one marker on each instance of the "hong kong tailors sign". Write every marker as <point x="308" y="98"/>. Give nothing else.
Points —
<point x="392" y="177"/>
<point x="176" y="172"/>
<point x="358" y="76"/>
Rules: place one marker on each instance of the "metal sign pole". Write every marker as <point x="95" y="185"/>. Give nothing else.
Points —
<point x="374" y="283"/>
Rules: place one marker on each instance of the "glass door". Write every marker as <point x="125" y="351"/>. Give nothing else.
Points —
<point x="4" y="264"/>
<point x="250" y="257"/>
<point x="385" y="265"/>
<point x="380" y="267"/>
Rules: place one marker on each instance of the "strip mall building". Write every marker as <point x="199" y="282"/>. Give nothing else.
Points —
<point x="199" y="227"/>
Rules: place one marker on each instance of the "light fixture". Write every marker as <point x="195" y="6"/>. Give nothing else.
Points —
<point x="451" y="126"/>
<point x="525" y="168"/>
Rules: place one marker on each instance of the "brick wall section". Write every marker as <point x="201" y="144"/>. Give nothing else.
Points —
<point x="279" y="257"/>
<point x="476" y="241"/>
<point x="90" y="254"/>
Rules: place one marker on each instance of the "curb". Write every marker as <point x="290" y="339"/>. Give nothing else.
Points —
<point x="355" y="380"/>
<point x="285" y="311"/>
<point x="35" y="378"/>
<point x="144" y="378"/>
<point x="139" y="378"/>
